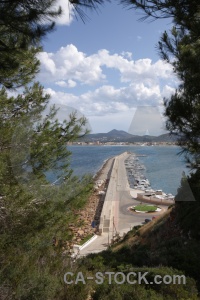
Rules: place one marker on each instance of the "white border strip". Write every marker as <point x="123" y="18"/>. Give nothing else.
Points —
<point x="86" y="243"/>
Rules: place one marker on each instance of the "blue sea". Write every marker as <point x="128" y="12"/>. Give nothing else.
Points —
<point x="164" y="166"/>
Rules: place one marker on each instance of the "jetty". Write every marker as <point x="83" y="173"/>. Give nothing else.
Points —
<point x="122" y="193"/>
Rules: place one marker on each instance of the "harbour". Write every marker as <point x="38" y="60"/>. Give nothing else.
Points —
<point x="121" y="195"/>
<point x="164" y="167"/>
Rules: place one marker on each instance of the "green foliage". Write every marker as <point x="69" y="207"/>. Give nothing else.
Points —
<point x="145" y="207"/>
<point x="31" y="18"/>
<point x="18" y="66"/>
<point x="188" y="205"/>
<point x="35" y="212"/>
<point x="35" y="142"/>
<point x="181" y="11"/>
<point x="23" y="24"/>
<point x="127" y="290"/>
<point x="124" y="292"/>
<point x="173" y="253"/>
<point x="181" y="48"/>
<point x="89" y="236"/>
<point x="132" y="232"/>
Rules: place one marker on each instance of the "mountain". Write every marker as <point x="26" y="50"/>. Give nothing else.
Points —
<point x="119" y="133"/>
<point x="113" y="135"/>
<point x="166" y="137"/>
<point x="123" y="136"/>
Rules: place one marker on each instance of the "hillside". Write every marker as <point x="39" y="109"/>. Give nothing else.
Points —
<point x="168" y="246"/>
<point x="111" y="135"/>
<point x="123" y="136"/>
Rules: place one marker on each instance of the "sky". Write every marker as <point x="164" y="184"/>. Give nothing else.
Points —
<point x="107" y="68"/>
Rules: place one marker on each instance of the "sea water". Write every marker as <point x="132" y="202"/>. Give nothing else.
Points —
<point x="164" y="166"/>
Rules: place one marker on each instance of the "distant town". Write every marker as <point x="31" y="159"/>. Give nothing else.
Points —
<point x="98" y="143"/>
<point x="120" y="137"/>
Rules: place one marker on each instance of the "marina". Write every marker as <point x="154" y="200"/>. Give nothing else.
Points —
<point x="164" y="167"/>
<point x="128" y="189"/>
<point x="138" y="181"/>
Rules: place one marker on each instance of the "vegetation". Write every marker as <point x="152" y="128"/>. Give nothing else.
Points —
<point x="157" y="248"/>
<point x="84" y="240"/>
<point x="23" y="24"/>
<point x="148" y="208"/>
<point x="172" y="241"/>
<point x="180" y="47"/>
<point x="34" y="214"/>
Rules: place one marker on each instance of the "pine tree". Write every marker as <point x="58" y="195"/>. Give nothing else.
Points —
<point x="33" y="211"/>
<point x="181" y="48"/>
<point x="22" y="26"/>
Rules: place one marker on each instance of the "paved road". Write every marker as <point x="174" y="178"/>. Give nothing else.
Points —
<point x="124" y="218"/>
<point x="115" y="215"/>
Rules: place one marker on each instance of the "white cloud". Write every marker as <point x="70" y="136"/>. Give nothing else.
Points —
<point x="127" y="55"/>
<point x="70" y="83"/>
<point x="67" y="12"/>
<point x="167" y="91"/>
<point x="143" y="82"/>
<point x="71" y="64"/>
<point x="61" y="83"/>
<point x="68" y="63"/>
<point x="162" y="69"/>
<point x="47" y="62"/>
<point x="110" y="100"/>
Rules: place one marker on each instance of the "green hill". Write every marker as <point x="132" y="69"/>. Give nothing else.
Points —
<point x="123" y="136"/>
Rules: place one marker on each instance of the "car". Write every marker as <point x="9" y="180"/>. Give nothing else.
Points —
<point x="147" y="220"/>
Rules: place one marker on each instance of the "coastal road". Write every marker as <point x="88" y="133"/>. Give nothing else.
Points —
<point x="124" y="218"/>
<point x="115" y="216"/>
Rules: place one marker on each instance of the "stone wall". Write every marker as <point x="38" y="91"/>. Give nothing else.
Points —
<point x="153" y="200"/>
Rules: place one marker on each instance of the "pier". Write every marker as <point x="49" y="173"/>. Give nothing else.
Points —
<point x="116" y="218"/>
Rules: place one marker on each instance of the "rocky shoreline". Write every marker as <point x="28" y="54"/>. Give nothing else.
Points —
<point x="90" y="214"/>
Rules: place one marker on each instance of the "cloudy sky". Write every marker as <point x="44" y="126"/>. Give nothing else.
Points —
<point x="107" y="67"/>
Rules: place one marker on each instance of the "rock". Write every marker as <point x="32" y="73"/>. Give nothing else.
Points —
<point x="80" y="232"/>
<point x="65" y="252"/>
